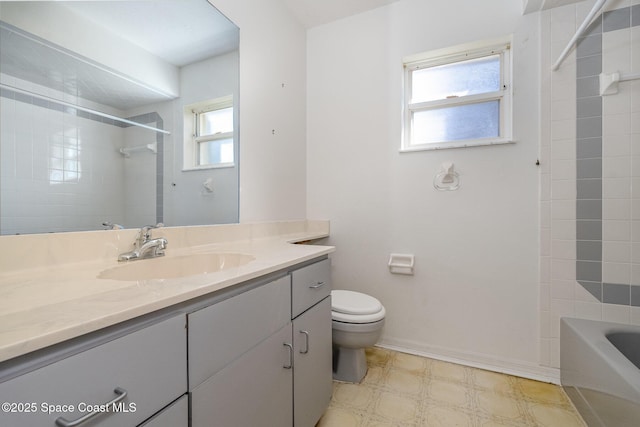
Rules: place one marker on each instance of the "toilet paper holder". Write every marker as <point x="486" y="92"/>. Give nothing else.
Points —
<point x="401" y="264"/>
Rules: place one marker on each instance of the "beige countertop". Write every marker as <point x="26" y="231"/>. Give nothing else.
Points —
<point x="42" y="306"/>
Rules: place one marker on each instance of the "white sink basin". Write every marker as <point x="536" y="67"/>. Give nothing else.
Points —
<point x="173" y="267"/>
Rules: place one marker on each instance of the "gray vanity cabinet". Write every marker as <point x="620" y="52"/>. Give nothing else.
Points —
<point x="312" y="377"/>
<point x="148" y="364"/>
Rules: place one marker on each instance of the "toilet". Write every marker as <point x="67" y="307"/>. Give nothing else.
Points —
<point x="357" y="321"/>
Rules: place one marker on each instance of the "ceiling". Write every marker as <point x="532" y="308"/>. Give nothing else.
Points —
<point x="179" y="31"/>
<point x="312" y="13"/>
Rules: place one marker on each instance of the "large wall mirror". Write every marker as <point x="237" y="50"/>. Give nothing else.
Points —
<point x="117" y="113"/>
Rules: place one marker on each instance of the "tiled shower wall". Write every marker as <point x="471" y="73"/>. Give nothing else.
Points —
<point x="590" y="180"/>
<point x="61" y="169"/>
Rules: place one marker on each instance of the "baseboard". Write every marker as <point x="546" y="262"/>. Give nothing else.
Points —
<point x="481" y="361"/>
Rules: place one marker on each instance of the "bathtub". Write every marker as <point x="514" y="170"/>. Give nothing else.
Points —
<point x="600" y="371"/>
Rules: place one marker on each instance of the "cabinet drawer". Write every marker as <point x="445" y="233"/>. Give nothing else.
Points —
<point x="220" y="333"/>
<point x="149" y="364"/>
<point x="310" y="285"/>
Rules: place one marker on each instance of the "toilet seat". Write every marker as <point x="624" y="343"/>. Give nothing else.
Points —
<point x="355" y="307"/>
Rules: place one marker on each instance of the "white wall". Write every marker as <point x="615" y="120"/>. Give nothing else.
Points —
<point x="272" y="109"/>
<point x="474" y="293"/>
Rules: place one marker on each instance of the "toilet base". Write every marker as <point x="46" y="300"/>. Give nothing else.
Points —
<point x="349" y="364"/>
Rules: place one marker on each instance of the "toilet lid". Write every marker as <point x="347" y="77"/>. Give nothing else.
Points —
<point x="354" y="303"/>
<point x="358" y="318"/>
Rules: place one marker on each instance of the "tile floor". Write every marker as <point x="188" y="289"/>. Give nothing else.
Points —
<point x="405" y="390"/>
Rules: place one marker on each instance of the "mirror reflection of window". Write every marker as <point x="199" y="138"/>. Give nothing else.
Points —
<point x="212" y="139"/>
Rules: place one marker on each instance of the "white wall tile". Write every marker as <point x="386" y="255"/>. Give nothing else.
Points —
<point x="565" y="189"/>
<point x="616" y="209"/>
<point x="635" y="252"/>
<point x="589" y="310"/>
<point x="616" y="124"/>
<point x="616" y="188"/>
<point x="616" y="313"/>
<point x="619" y="273"/>
<point x="635" y="274"/>
<point x="616" y="230"/>
<point x="563" y="209"/>
<point x="545" y="242"/>
<point x="562" y="289"/>
<point x="545" y="324"/>
<point x="563" y="269"/>
<point x="545" y="298"/>
<point x="564" y="149"/>
<point x="616" y="51"/>
<point x="563" y="229"/>
<point x="635" y="44"/>
<point x="616" y="252"/>
<point x="581" y="294"/>
<point x="545" y="215"/>
<point x="620" y="103"/>
<point x="560" y="308"/>
<point x="563" y="249"/>
<point x="562" y="130"/>
<point x="616" y="145"/>
<point x="634" y="86"/>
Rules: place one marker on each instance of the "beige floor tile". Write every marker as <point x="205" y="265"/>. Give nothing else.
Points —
<point x="500" y="406"/>
<point x="336" y="417"/>
<point x="402" y="381"/>
<point x="375" y="375"/>
<point x="396" y="408"/>
<point x="494" y="381"/>
<point x="377" y="356"/>
<point x="454" y="394"/>
<point x="448" y="371"/>
<point x="414" y="364"/>
<point x="440" y="416"/>
<point x="542" y="392"/>
<point x="555" y="416"/>
<point x="353" y="395"/>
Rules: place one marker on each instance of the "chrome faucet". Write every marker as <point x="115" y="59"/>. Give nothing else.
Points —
<point x="144" y="246"/>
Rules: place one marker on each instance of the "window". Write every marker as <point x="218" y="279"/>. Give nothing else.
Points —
<point x="458" y="97"/>
<point x="209" y="134"/>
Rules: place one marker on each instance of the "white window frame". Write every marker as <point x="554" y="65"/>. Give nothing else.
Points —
<point x="192" y="138"/>
<point x="452" y="55"/>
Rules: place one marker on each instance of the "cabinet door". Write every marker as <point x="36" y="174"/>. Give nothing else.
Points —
<point x="312" y="379"/>
<point x="175" y="415"/>
<point x="254" y="390"/>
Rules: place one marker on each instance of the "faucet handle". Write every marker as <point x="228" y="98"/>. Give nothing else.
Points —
<point x="145" y="232"/>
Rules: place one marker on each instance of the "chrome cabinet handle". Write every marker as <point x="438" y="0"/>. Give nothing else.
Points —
<point x="290" y="347"/>
<point x="317" y="285"/>
<point x="306" y="347"/>
<point x="121" y="394"/>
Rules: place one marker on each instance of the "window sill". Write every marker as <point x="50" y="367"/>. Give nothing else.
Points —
<point x="459" y="144"/>
<point x="207" y="167"/>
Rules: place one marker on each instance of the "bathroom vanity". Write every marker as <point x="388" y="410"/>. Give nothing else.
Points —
<point x="246" y="345"/>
